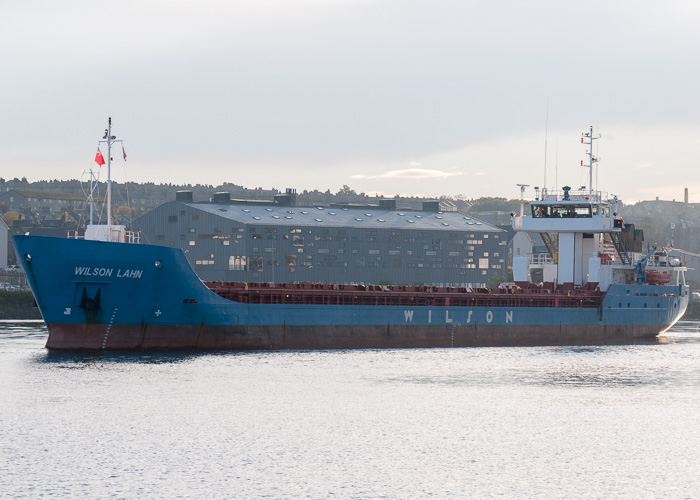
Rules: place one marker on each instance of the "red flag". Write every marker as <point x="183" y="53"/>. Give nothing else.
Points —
<point x="123" y="152"/>
<point x="99" y="159"/>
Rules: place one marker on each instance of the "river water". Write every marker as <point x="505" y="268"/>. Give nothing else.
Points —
<point x="619" y="421"/>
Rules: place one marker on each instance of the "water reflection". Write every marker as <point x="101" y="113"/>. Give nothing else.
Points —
<point x="82" y="360"/>
<point x="607" y="378"/>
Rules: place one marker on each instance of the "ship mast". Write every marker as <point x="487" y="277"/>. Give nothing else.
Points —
<point x="109" y="139"/>
<point x="90" y="194"/>
<point x="591" y="159"/>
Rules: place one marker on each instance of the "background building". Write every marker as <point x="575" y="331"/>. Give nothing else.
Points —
<point x="234" y="241"/>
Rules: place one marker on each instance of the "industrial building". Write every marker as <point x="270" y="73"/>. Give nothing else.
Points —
<point x="227" y="240"/>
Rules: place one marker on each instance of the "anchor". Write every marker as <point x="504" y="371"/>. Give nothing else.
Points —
<point x="91" y="306"/>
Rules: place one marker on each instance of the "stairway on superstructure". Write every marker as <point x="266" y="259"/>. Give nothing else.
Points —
<point x="621" y="248"/>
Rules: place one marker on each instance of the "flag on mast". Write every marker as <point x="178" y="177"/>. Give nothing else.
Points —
<point x="123" y="152"/>
<point x="99" y="159"/>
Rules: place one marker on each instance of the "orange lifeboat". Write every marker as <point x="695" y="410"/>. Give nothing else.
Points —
<point x="657" y="278"/>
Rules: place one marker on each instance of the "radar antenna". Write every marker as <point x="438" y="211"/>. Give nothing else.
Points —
<point x="522" y="194"/>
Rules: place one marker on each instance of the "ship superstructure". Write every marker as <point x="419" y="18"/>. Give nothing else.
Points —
<point x="587" y="241"/>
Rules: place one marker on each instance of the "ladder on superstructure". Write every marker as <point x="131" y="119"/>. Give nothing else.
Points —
<point x="621" y="248"/>
<point x="551" y="242"/>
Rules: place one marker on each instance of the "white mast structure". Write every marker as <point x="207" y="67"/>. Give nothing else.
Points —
<point x="109" y="139"/>
<point x="591" y="159"/>
<point x="90" y="198"/>
<point x="108" y="232"/>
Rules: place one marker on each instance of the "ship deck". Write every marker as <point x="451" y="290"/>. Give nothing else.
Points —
<point x="565" y="295"/>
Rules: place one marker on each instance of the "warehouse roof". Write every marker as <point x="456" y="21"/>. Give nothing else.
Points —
<point x="363" y="217"/>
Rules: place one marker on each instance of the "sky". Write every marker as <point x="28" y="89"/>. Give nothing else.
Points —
<point x="388" y="97"/>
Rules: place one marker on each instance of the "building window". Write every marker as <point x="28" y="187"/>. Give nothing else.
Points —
<point x="256" y="263"/>
<point x="172" y="218"/>
<point x="483" y="263"/>
<point x="290" y="260"/>
<point x="195" y="217"/>
<point x="192" y="243"/>
<point x="237" y="263"/>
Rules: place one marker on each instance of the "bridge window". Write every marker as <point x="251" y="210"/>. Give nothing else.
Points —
<point x="566" y="211"/>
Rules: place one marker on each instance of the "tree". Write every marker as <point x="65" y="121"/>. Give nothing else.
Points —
<point x="495" y="205"/>
<point x="10" y="217"/>
<point x="124" y="210"/>
<point x="494" y="280"/>
<point x="346" y="190"/>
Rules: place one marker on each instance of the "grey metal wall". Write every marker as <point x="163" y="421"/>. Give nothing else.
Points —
<point x="285" y="252"/>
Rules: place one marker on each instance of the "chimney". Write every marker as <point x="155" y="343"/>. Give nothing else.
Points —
<point x="431" y="206"/>
<point x="388" y="204"/>
<point x="185" y="196"/>
<point x="221" y="198"/>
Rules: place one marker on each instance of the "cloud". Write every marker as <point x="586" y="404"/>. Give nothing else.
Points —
<point x="409" y="173"/>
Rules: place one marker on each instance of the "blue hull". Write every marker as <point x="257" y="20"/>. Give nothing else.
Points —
<point x="100" y="295"/>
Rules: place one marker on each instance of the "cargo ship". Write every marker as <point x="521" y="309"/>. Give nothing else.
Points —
<point x="108" y="291"/>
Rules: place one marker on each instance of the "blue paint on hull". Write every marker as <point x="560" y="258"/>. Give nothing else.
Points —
<point x="144" y="292"/>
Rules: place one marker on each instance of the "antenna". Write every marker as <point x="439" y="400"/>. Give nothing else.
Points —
<point x="556" y="167"/>
<point x="522" y="193"/>
<point x="591" y="158"/>
<point x="546" y="129"/>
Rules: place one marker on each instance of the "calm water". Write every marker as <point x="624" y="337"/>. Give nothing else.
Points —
<point x="575" y="422"/>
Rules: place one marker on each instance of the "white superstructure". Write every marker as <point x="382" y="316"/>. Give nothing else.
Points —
<point x="587" y="241"/>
